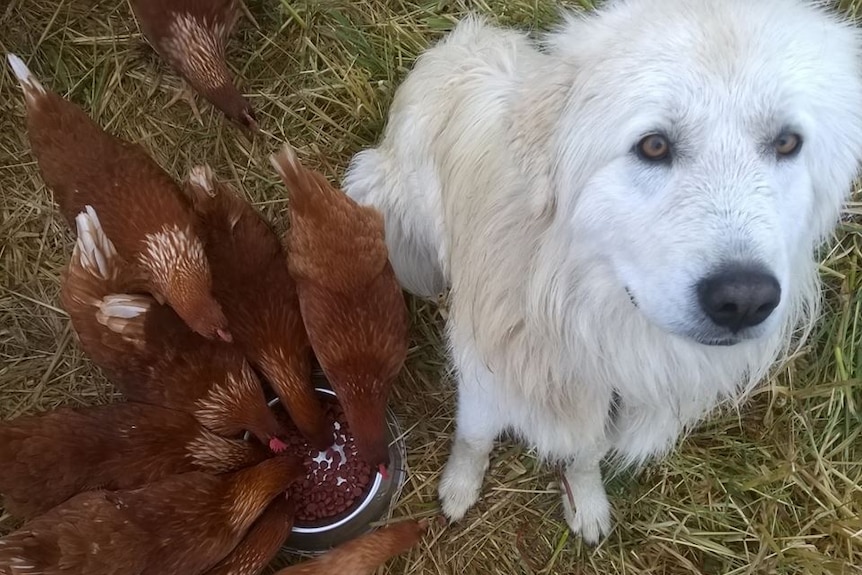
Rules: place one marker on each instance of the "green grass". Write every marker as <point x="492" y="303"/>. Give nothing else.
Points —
<point x="772" y="488"/>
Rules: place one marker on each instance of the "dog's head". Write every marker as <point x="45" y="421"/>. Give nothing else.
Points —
<point x="705" y="150"/>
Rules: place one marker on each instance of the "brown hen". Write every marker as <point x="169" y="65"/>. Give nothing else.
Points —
<point x="142" y="209"/>
<point x="191" y="36"/>
<point x="182" y="524"/>
<point x="363" y="555"/>
<point x="47" y="458"/>
<point x="352" y="306"/>
<point x="262" y="543"/>
<point x="149" y="353"/>
<point x="251" y="280"/>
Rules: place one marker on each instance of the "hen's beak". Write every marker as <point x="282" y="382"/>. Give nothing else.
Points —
<point x="249" y="121"/>
<point x="224" y="335"/>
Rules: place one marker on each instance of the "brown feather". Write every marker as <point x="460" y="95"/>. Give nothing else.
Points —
<point x="332" y="239"/>
<point x="140" y="208"/>
<point x="136" y="531"/>
<point x="60" y="542"/>
<point x="191" y="36"/>
<point x="47" y="458"/>
<point x="251" y="280"/>
<point x="149" y="353"/>
<point x="351" y="303"/>
<point x="363" y="555"/>
<point x="262" y="543"/>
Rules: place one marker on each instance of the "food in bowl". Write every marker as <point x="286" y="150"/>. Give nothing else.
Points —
<point x="338" y="479"/>
<point x="313" y="537"/>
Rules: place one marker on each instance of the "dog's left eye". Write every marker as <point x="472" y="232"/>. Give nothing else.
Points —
<point x="787" y="144"/>
<point x="654" y="148"/>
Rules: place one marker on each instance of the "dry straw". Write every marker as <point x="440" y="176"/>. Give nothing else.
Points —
<point x="774" y="488"/>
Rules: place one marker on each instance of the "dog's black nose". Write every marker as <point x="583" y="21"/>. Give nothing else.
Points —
<point x="739" y="296"/>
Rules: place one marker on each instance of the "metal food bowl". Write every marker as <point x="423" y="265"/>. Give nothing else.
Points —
<point x="375" y="506"/>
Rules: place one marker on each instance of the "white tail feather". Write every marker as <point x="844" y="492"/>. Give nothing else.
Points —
<point x="202" y="177"/>
<point x="287" y="154"/>
<point x="125" y="306"/>
<point x="95" y="250"/>
<point x="25" y="77"/>
<point x="125" y="314"/>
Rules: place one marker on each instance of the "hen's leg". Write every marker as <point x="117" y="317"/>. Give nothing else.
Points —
<point x="187" y="94"/>
<point x="591" y="515"/>
<point x="478" y="423"/>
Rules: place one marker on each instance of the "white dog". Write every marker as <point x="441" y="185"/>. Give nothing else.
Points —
<point x="626" y="219"/>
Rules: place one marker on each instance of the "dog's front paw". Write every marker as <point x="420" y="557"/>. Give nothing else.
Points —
<point x="458" y="491"/>
<point x="461" y="483"/>
<point x="592" y="520"/>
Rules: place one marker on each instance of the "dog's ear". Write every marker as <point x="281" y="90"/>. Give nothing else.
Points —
<point x="535" y="152"/>
<point x="563" y="39"/>
<point x="573" y="37"/>
<point x="833" y="146"/>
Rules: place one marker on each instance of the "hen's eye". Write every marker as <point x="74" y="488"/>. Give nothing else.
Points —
<point x="787" y="144"/>
<point x="654" y="148"/>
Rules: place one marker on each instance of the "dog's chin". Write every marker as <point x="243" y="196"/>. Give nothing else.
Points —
<point x="716" y="342"/>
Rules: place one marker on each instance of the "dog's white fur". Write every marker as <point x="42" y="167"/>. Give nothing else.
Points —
<point x="507" y="173"/>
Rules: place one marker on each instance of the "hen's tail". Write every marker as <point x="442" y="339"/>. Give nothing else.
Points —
<point x="332" y="239"/>
<point x="384" y="544"/>
<point x="307" y="187"/>
<point x="94" y="268"/>
<point x="92" y="292"/>
<point x="93" y="251"/>
<point x="200" y="188"/>
<point x="221" y="207"/>
<point x="95" y="262"/>
<point x="200" y="182"/>
<point x="33" y="89"/>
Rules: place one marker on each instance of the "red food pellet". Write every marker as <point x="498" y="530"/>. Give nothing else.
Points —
<point x="337" y="479"/>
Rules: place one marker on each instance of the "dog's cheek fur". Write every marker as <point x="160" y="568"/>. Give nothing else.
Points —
<point x="663" y="230"/>
<point x="776" y="220"/>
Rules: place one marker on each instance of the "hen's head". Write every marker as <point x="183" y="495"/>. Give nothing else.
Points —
<point x="180" y="272"/>
<point x="201" y="312"/>
<point x="365" y="411"/>
<point x="234" y="105"/>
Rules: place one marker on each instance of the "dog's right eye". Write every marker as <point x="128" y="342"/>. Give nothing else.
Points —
<point x="653" y="148"/>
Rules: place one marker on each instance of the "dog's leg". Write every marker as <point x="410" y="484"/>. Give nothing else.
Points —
<point x="591" y="517"/>
<point x="477" y="426"/>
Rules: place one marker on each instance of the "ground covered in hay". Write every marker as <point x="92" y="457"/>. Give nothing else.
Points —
<point x="774" y="488"/>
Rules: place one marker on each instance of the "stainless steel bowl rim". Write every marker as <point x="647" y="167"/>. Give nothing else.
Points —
<point x="369" y="495"/>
